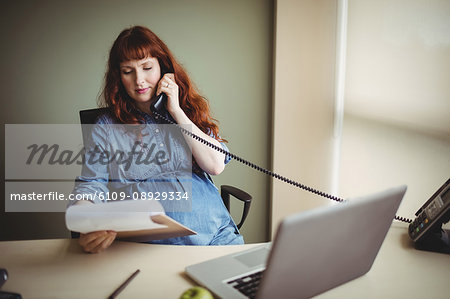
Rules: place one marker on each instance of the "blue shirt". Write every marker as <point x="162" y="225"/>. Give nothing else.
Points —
<point x="171" y="172"/>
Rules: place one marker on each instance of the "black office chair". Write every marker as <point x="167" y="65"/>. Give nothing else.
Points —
<point x="90" y="116"/>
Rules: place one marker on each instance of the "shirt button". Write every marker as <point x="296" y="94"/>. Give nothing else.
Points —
<point x="161" y="145"/>
<point x="157" y="130"/>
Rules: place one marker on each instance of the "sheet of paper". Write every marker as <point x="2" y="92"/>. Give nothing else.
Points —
<point x="127" y="215"/>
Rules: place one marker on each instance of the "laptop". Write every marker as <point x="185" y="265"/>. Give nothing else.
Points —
<point x="313" y="251"/>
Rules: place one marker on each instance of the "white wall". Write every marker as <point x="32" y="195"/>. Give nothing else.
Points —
<point x="398" y="62"/>
<point x="377" y="155"/>
<point x="397" y="99"/>
<point x="303" y="141"/>
<point x="396" y="126"/>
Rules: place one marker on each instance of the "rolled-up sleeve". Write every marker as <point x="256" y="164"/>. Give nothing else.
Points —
<point x="227" y="157"/>
<point x="224" y="147"/>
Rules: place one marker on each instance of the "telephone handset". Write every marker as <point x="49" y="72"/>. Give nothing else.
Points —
<point x="159" y="103"/>
<point x="161" y="100"/>
<point x="426" y="230"/>
<point x="157" y="107"/>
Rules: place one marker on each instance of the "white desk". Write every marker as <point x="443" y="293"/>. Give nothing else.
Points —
<point x="59" y="269"/>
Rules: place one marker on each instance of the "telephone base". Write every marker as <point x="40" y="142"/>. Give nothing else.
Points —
<point x="436" y="242"/>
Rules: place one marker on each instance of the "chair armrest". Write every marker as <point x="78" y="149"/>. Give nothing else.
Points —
<point x="226" y="191"/>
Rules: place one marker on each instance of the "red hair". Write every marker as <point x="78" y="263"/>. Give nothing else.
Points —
<point x="137" y="43"/>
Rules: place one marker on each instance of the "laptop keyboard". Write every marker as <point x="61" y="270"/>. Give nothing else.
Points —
<point x="247" y="285"/>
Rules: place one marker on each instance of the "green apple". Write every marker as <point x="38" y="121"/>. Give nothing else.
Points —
<point x="196" y="293"/>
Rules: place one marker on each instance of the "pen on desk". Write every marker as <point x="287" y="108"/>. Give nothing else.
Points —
<point x="123" y="285"/>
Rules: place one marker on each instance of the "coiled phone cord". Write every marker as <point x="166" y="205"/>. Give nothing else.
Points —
<point x="259" y="168"/>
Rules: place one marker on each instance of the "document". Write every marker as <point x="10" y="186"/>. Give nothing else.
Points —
<point x="133" y="220"/>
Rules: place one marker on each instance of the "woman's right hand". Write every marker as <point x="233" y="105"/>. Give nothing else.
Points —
<point x="96" y="242"/>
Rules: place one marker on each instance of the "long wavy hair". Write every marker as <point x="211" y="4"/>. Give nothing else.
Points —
<point x="137" y="43"/>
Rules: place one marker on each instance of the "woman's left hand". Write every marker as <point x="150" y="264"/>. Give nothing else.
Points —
<point x="208" y="159"/>
<point x="168" y="85"/>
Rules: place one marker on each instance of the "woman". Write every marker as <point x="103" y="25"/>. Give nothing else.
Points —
<point x="140" y="67"/>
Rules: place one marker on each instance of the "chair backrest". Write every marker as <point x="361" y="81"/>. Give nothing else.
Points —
<point x="88" y="117"/>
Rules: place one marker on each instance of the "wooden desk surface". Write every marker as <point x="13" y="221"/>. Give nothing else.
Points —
<point x="59" y="269"/>
<point x="400" y="271"/>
